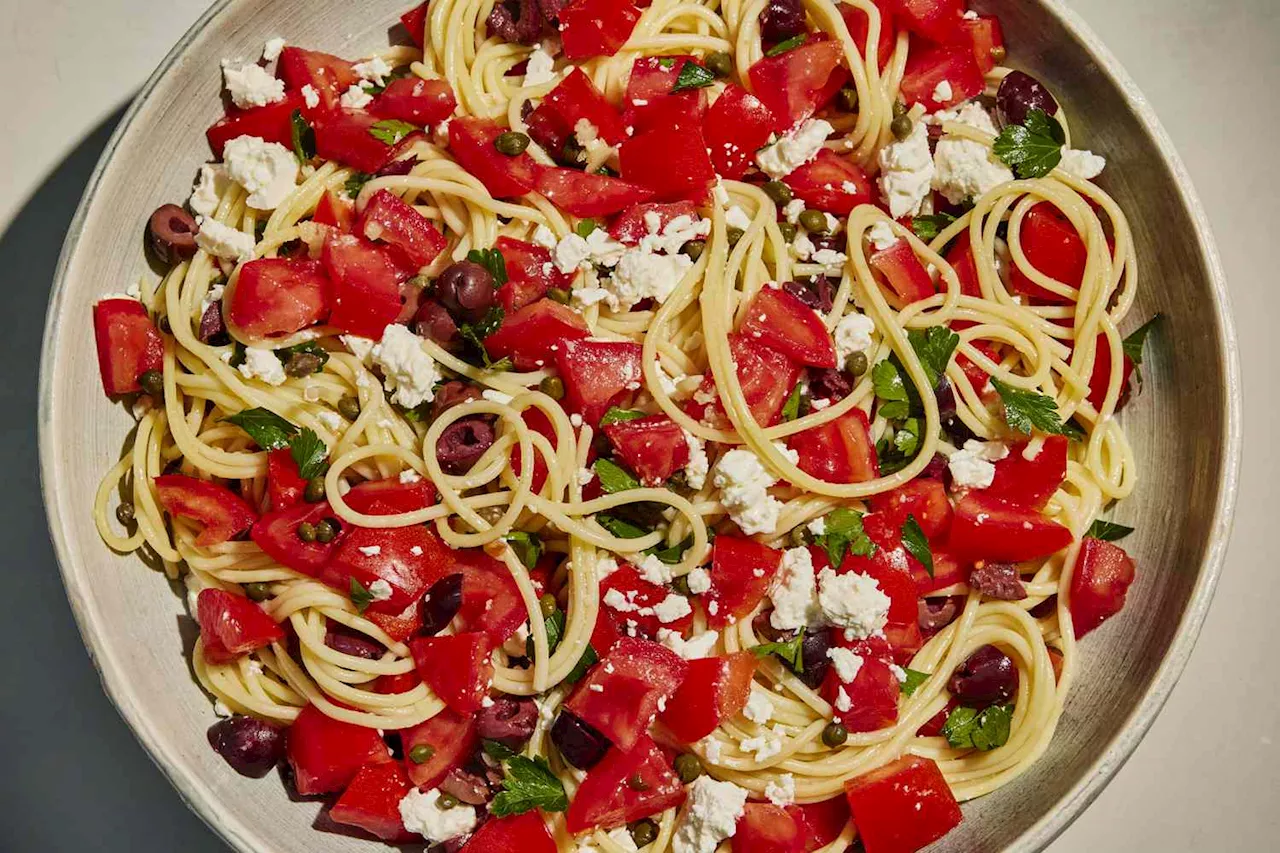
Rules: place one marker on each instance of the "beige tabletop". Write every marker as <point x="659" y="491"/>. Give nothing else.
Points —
<point x="1207" y="777"/>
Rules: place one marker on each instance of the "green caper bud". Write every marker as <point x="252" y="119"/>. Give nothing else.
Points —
<point x="814" y="221"/>
<point x="688" y="767"/>
<point x="447" y="801"/>
<point x="303" y="364"/>
<point x="778" y="192"/>
<point x="553" y="387"/>
<point x="559" y="294"/>
<point x="125" y="513"/>
<point x="681" y="585"/>
<point x="585" y="227"/>
<point x="899" y="108"/>
<point x="834" y="734"/>
<point x="152" y="382"/>
<point x="999" y="53"/>
<point x="349" y="408"/>
<point x="326" y="531"/>
<point x="694" y="249"/>
<point x="257" y="591"/>
<point x="901" y="127"/>
<point x="798" y="537"/>
<point x="512" y="143"/>
<point x="643" y="832"/>
<point x="734" y="235"/>
<point x="422" y="753"/>
<point x="856" y="363"/>
<point x="547" y="604"/>
<point x="848" y="99"/>
<point x="314" y="493"/>
<point x="788" y="231"/>
<point x="719" y="64"/>
<point x="307" y="531"/>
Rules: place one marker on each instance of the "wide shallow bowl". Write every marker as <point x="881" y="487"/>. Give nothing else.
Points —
<point x="1185" y="426"/>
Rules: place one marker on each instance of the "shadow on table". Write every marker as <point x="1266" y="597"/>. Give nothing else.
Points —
<point x="74" y="777"/>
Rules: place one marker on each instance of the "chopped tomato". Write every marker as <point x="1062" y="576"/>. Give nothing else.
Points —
<point x="585" y="194"/>
<point x="533" y="336"/>
<point x="714" y="690"/>
<point x="366" y="286"/>
<point x="741" y="572"/>
<point x="536" y="420"/>
<point x="409" y="559"/>
<point x="767" y="378"/>
<point x="839" y="451"/>
<point x="796" y="84"/>
<point x="575" y="99"/>
<point x="653" y="447"/>
<point x="872" y="695"/>
<point x="960" y="256"/>
<point x="415" y="21"/>
<point x="272" y="123"/>
<point x="471" y="143"/>
<point x="417" y="101"/>
<point x="231" y="625"/>
<point x="457" y="668"/>
<point x="831" y="183"/>
<point x="947" y="571"/>
<point x="987" y="529"/>
<point x="979" y="378"/>
<point x="671" y="161"/>
<point x="276" y="533"/>
<point x="649" y="102"/>
<point x="522" y="833"/>
<point x="399" y="627"/>
<point x="596" y="373"/>
<point x="372" y="802"/>
<point x="388" y="219"/>
<point x="1030" y="482"/>
<point x="129" y="344"/>
<point x="1054" y="248"/>
<point x="620" y="696"/>
<point x="929" y="67"/>
<point x="1100" y="379"/>
<point x="285" y="485"/>
<point x="275" y="297"/>
<point x="903" y="806"/>
<point x="890" y="568"/>
<point x="936" y="20"/>
<point x="859" y="24"/>
<point x="933" y="726"/>
<point x="391" y="496"/>
<point x="530" y="274"/>
<point x="903" y="272"/>
<point x="607" y="797"/>
<point x="452" y="738"/>
<point x="491" y="601"/>
<point x="737" y="125"/>
<point x="821" y="822"/>
<point x="1099" y="584"/>
<point x="923" y="499"/>
<point x="344" y="136"/>
<point x="613" y="623"/>
<point x="766" y="828"/>
<point x="326" y="754"/>
<point x="590" y="28"/>
<point x="987" y="37"/>
<point x="327" y="74"/>
<point x="633" y="223"/>
<point x="335" y="211"/>
<point x="778" y="319"/>
<point x="222" y="512"/>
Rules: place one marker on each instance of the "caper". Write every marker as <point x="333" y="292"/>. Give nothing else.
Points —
<point x="814" y="221"/>
<point x="778" y="192"/>
<point x="719" y="63"/>
<point x="553" y="387"/>
<point x="307" y="531"/>
<point x="734" y="235"/>
<point x="314" y="493"/>
<point x="547" y="604"/>
<point x="834" y="734"/>
<point x="798" y="537"/>
<point x="303" y="364"/>
<point x="681" y="585"/>
<point x="788" y="231"/>
<point x="688" y="767"/>
<point x="447" y="801"/>
<point x="848" y="99"/>
<point x="152" y="382"/>
<point x="349" y="408"/>
<point x="585" y="227"/>
<point x="257" y="591"/>
<point x="643" y="832"/>
<point x="856" y="363"/>
<point x="512" y="143"/>
<point x="559" y="294"/>
<point x="125" y="513"/>
<point x="422" y="753"/>
<point x="901" y="127"/>
<point x="326" y="531"/>
<point x="899" y="108"/>
<point x="694" y="249"/>
<point x="999" y="54"/>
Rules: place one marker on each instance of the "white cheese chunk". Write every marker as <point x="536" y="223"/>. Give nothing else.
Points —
<point x="853" y="334"/>
<point x="422" y="814"/>
<point x="759" y="708"/>
<point x="355" y="98"/>
<point x="795" y="593"/>
<point x="846" y="663"/>
<point x="853" y="601"/>
<point x="699" y="581"/>
<point x="262" y="364"/>
<point x="781" y="792"/>
<point x="907" y="172"/>
<point x="375" y="70"/>
<point x="223" y="241"/>
<point x="409" y="373"/>
<point x="964" y="168"/>
<point x="380" y="590"/>
<point x="272" y="48"/>
<point x="1084" y="165"/>
<point x="881" y="235"/>
<point x="971" y="466"/>
<point x="744" y="482"/>
<point x="796" y="148"/>
<point x="267" y="170"/>
<point x="695" y="472"/>
<point x="540" y="68"/>
<point x="697" y="646"/>
<point x="209" y="188"/>
<point x="250" y="85"/>
<point x="710" y="816"/>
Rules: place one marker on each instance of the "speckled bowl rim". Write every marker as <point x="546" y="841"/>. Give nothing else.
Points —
<point x="201" y="799"/>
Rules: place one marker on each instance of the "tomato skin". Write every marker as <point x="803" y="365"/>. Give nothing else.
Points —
<point x="590" y="28"/>
<point x="796" y="84"/>
<point x="1100" y="379"/>
<point x="372" y="802"/>
<point x="129" y="344"/>
<point x="329" y="75"/>
<point x="451" y="736"/>
<point x="736" y="590"/>
<point x="986" y="529"/>
<point x="936" y="20"/>
<point x="344" y="135"/>
<point x="275" y="297"/>
<point x="387" y="218"/>
<point x="653" y="447"/>
<point x="737" y="124"/>
<point x="417" y="101"/>
<point x="491" y="600"/>
<point x="399" y="627"/>
<point x="821" y="823"/>
<point x="523" y="833"/>
<point x="672" y="162"/>
<point x="766" y="828"/>
<point x="649" y="102"/>
<point x="629" y="226"/>
<point x="574" y="99"/>
<point x="779" y="320"/>
<point x="337" y="212"/>
<point x="987" y="37"/>
<point x="873" y="694"/>
<point x="902" y="806"/>
<point x="923" y="499"/>
<point x="831" y="183"/>
<point x="1026" y="482"/>
<point x="903" y="272"/>
<point x="276" y="533"/>
<point x="530" y="274"/>
<point x="1102" y="577"/>
<point x="271" y="123"/>
<point x="714" y="690"/>
<point x="366" y="286"/>
<point x="534" y="335"/>
<point x="409" y="573"/>
<point x="231" y="626"/>
<point x="960" y="256"/>
<point x="926" y="69"/>
<point x="222" y="512"/>
<point x="839" y="451"/>
<point x="415" y="21"/>
<point x="285" y="485"/>
<point x="471" y="143"/>
<point x="326" y="754"/>
<point x="767" y="378"/>
<point x="611" y="624"/>
<point x="584" y="194"/>
<point x="859" y="24"/>
<point x="1052" y="245"/>
<point x="391" y="496"/>
<point x="596" y="373"/>
<point x="536" y="420"/>
<point x="947" y="571"/>
<point x="457" y="668"/>
<point x="635" y="676"/>
<point x="605" y="800"/>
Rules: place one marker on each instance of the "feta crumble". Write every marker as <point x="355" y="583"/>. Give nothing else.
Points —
<point x="853" y="601"/>
<point x="846" y="663"/>
<point x="1084" y="165"/>
<point x="881" y="236"/>
<point x="422" y="814"/>
<point x="370" y="551"/>
<point x="272" y="49"/>
<point x="409" y="373"/>
<point x="375" y="70"/>
<point x="355" y="98"/>
<point x="796" y="148"/>
<point x="672" y="608"/>
<point x="744" y="482"/>
<point x="212" y="182"/>
<point x="540" y="68"/>
<point x="907" y="172"/>
<point x="710" y="816"/>
<point x="971" y="466"/>
<point x="267" y="170"/>
<point x="765" y="745"/>
<point x="223" y="241"/>
<point x="697" y="646"/>
<point x="310" y="96"/>
<point x="250" y="85"/>
<point x="695" y="472"/>
<point x="379" y="590"/>
<point x="795" y="593"/>
<point x="782" y="792"/>
<point x="853" y="334"/>
<point x="699" y="581"/>
<point x="759" y="708"/>
<point x="654" y="570"/>
<point x="964" y="168"/>
<point x="943" y="91"/>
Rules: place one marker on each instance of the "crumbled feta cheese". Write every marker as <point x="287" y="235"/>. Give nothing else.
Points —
<point x="795" y="593"/>
<point x="846" y="662"/>
<point x="588" y="136"/>
<point x="408" y="372"/>
<point x="743" y="482"/>
<point x="766" y="745"/>
<point x="711" y="748"/>
<point x="881" y="235"/>
<point x="208" y="189"/>
<point x="710" y="816"/>
<point x="853" y="334"/>
<point x="310" y="96"/>
<point x="819" y="404"/>
<point x="605" y="566"/>
<point x="799" y="146"/>
<point x="943" y="92"/>
<point x="853" y="601"/>
<point x="585" y="476"/>
<point x="907" y="172"/>
<point x="699" y="581"/>
<point x="695" y="472"/>
<point x="370" y="550"/>
<point x="671" y="608"/>
<point x="223" y="241"/>
<point x="971" y="15"/>
<point x="697" y="646"/>
<point x="793" y="209"/>
<point x="409" y="476"/>
<point x="379" y="590"/>
<point x="843" y="703"/>
<point x="544" y="237"/>
<point x="654" y="570"/>
<point x="1032" y="451"/>
<point x="271" y="50"/>
<point x="818" y="526"/>
<point x="375" y="70"/>
<point x="971" y="466"/>
<point x="802" y="247"/>
<point x="421" y="813"/>
<point x="416" y="550"/>
<point x="541" y="67"/>
<point x="759" y="708"/>
<point x="250" y="85"/>
<point x="1084" y="165"/>
<point x="355" y="98"/>
<point x="361" y="348"/>
<point x="262" y="364"/>
<point x="782" y="792"/>
<point x="829" y="258"/>
<point x="517" y="644"/>
<point x="494" y="396"/>
<point x="964" y="168"/>
<point x="898" y="672"/>
<point x="736" y="217"/>
<point x="267" y="170"/>
<point x="574" y="251"/>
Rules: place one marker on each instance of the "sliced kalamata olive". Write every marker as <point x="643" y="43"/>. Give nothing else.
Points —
<point x="1019" y="94"/>
<point x="434" y="323"/>
<point x="251" y="746"/>
<point x="997" y="580"/>
<point x="510" y="721"/>
<point x="762" y="625"/>
<point x="817" y="293"/>
<point x="466" y="290"/>
<point x="398" y="167"/>
<point x="813" y="652"/>
<point x="516" y="21"/>
<point x="453" y="393"/>
<point x="462" y="443"/>
<point x="937" y="469"/>
<point x="781" y="20"/>
<point x="213" y="330"/>
<point x="351" y="643"/>
<point x="441" y="604"/>
<point x="468" y="787"/>
<point x="1045" y="609"/>
<point x="579" y="743"/>
<point x="935" y="615"/>
<point x="946" y="397"/>
<point x="551" y="9"/>
<point x="987" y="677"/>
<point x="395" y="744"/>
<point x="171" y="232"/>
<point x="829" y="384"/>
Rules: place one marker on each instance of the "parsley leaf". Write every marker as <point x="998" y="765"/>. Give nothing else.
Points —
<point x="356" y="182"/>
<point x="391" y="130"/>
<point x="692" y="76"/>
<point x="934" y="346"/>
<point x="672" y="554"/>
<point x="1024" y="410"/>
<point x="913" y="539"/>
<point x="617" y="416"/>
<point x="791" y="409"/>
<point x="309" y="451"/>
<point x="928" y="227"/>
<point x="913" y="682"/>
<point x="554" y="625"/>
<point x="1072" y="430"/>
<point x="1032" y="149"/>
<point x="619" y="527"/>
<point x="1108" y="531"/>
<point x="614" y="478"/>
<point x="791" y="651"/>
<point x="360" y="596"/>
<point x="890" y="390"/>
<point x="1133" y="344"/>
<point x="265" y="427"/>
<point x="529" y="784"/>
<point x="528" y="547"/>
<point x="986" y="729"/>
<point x="475" y="333"/>
<point x="588" y="660"/>
<point x="897" y="452"/>
<point x="667" y="63"/>
<point x="303" y="136"/>
<point x="784" y="46"/>
<point x="843" y="532"/>
<point x="497" y="750"/>
<point x="492" y="260"/>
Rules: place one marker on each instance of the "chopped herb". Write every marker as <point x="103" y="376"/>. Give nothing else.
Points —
<point x="614" y="478"/>
<point x="896" y="452"/>
<point x="391" y="130"/>
<point x="667" y="63"/>
<point x="692" y="76"/>
<point x="619" y="527"/>
<point x="492" y="260"/>
<point x="617" y="416"/>
<point x="1133" y="344"/>
<point x="930" y="226"/>
<point x="309" y="451"/>
<point x="360" y="596"/>
<point x="843" y="532"/>
<point x="1108" y="531"/>
<point x="529" y="784"/>
<point x="934" y="346"/>
<point x="588" y="660"/>
<point x="791" y="651"/>
<point x="265" y="427"/>
<point x="528" y="547"/>
<point x="475" y="333"/>
<point x="672" y="554"/>
<point x="1072" y="430"/>
<point x="554" y="625"/>
<point x="497" y="750"/>
<point x="1032" y="149"/>
<point x="917" y="545"/>
<point x="304" y="138"/>
<point x="890" y="390"/>
<point x="784" y="46"/>
<point x="791" y="409"/>
<point x="1025" y="410"/>
<point x="356" y="182"/>
<point x="986" y="729"/>
<point x="913" y="681"/>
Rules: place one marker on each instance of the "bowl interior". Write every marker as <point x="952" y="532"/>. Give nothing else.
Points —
<point x="135" y="625"/>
